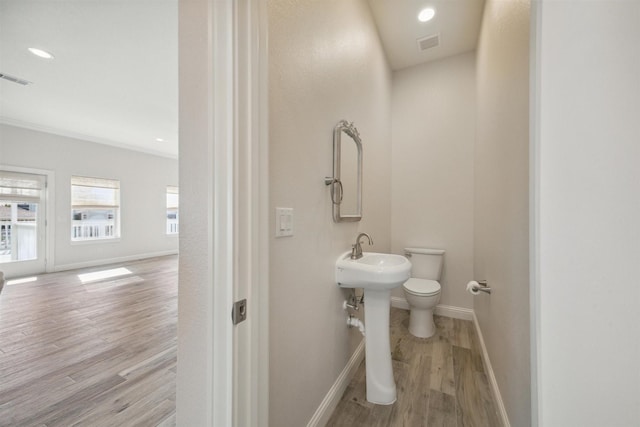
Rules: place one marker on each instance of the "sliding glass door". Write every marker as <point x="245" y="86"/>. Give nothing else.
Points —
<point x="22" y="223"/>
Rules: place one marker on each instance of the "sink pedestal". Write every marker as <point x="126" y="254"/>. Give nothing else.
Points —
<point x="381" y="387"/>
<point x="376" y="274"/>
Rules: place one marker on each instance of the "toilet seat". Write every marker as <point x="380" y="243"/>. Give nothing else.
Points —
<point x="422" y="287"/>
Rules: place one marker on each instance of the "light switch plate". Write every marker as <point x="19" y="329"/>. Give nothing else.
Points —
<point x="284" y="222"/>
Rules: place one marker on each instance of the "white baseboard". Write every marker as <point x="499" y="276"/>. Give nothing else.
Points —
<point x="502" y="411"/>
<point x="94" y="263"/>
<point x="441" y="310"/>
<point x="454" y="312"/>
<point x="399" y="302"/>
<point x="331" y="400"/>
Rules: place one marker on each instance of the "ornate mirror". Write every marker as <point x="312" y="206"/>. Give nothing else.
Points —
<point x="346" y="184"/>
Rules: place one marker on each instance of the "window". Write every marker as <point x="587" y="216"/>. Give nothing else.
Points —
<point x="173" y="200"/>
<point x="95" y="208"/>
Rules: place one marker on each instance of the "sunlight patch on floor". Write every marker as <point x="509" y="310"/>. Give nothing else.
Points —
<point x="104" y="274"/>
<point x="23" y="280"/>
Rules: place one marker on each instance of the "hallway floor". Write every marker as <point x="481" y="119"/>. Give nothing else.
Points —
<point x="440" y="381"/>
<point x="99" y="353"/>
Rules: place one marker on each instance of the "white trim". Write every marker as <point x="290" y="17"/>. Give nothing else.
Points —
<point x="260" y="288"/>
<point x="493" y="384"/>
<point x="83" y="137"/>
<point x="105" y="261"/>
<point x="50" y="261"/>
<point x="332" y="398"/>
<point x="222" y="98"/>
<point x="454" y="312"/>
<point x="251" y="235"/>
<point x="441" y="310"/>
<point x="535" y="79"/>
<point x="95" y="241"/>
<point x="209" y="137"/>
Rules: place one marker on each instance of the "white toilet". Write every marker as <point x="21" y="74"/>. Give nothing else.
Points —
<point x="422" y="290"/>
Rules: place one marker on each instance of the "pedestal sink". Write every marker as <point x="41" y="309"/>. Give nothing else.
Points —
<point x="377" y="274"/>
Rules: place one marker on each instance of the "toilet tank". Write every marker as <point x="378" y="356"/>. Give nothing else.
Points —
<point x="426" y="263"/>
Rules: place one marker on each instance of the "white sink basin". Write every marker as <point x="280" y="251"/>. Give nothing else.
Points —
<point x="373" y="271"/>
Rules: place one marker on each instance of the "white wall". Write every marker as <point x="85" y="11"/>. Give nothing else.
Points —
<point x="143" y="181"/>
<point x="326" y="64"/>
<point x="588" y="211"/>
<point x="502" y="199"/>
<point x="433" y="133"/>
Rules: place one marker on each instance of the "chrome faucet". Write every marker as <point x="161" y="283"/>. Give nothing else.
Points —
<point x="356" y="250"/>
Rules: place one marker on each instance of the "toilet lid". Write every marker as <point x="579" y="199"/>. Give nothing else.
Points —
<point x="422" y="286"/>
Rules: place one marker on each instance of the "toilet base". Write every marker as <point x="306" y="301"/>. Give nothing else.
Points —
<point x="421" y="323"/>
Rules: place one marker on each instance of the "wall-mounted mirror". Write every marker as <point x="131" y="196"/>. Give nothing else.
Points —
<point x="346" y="183"/>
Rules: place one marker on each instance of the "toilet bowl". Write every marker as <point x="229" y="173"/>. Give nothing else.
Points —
<point x="422" y="290"/>
<point x="422" y="296"/>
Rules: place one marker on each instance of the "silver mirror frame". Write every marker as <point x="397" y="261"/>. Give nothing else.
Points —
<point x="336" y="189"/>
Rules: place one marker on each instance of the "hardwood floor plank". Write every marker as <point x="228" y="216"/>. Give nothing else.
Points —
<point x="18" y="401"/>
<point x="444" y="328"/>
<point x="126" y="400"/>
<point x="491" y="410"/>
<point x="144" y="366"/>
<point x="441" y="374"/>
<point x="93" y="354"/>
<point x="461" y="333"/>
<point x="74" y="405"/>
<point x="41" y="366"/>
<point x="442" y="410"/>
<point x="155" y="416"/>
<point x="471" y="410"/>
<point x="412" y="382"/>
<point x="113" y="361"/>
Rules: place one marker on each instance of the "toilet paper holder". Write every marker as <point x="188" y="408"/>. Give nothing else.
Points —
<point x="483" y="287"/>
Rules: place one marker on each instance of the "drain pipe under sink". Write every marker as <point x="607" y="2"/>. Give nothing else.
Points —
<point x="354" y="321"/>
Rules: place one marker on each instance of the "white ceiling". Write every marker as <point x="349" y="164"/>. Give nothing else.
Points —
<point x="114" y="79"/>
<point x="456" y="21"/>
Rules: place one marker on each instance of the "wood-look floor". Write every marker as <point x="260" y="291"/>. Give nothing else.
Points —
<point x="104" y="354"/>
<point x="440" y="381"/>
<point x="95" y="354"/>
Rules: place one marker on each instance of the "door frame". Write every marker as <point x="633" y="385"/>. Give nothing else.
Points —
<point x="251" y="233"/>
<point x="49" y="210"/>
<point x="223" y="369"/>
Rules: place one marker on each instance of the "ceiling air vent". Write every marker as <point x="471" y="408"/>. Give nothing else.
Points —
<point x="14" y="79"/>
<point x="428" y="42"/>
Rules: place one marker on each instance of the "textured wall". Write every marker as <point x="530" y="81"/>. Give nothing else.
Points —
<point x="502" y="199"/>
<point x="433" y="128"/>
<point x="326" y="64"/>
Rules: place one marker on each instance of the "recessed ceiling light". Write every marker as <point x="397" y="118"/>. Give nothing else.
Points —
<point x="159" y="140"/>
<point x="426" y="14"/>
<point x="41" y="53"/>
